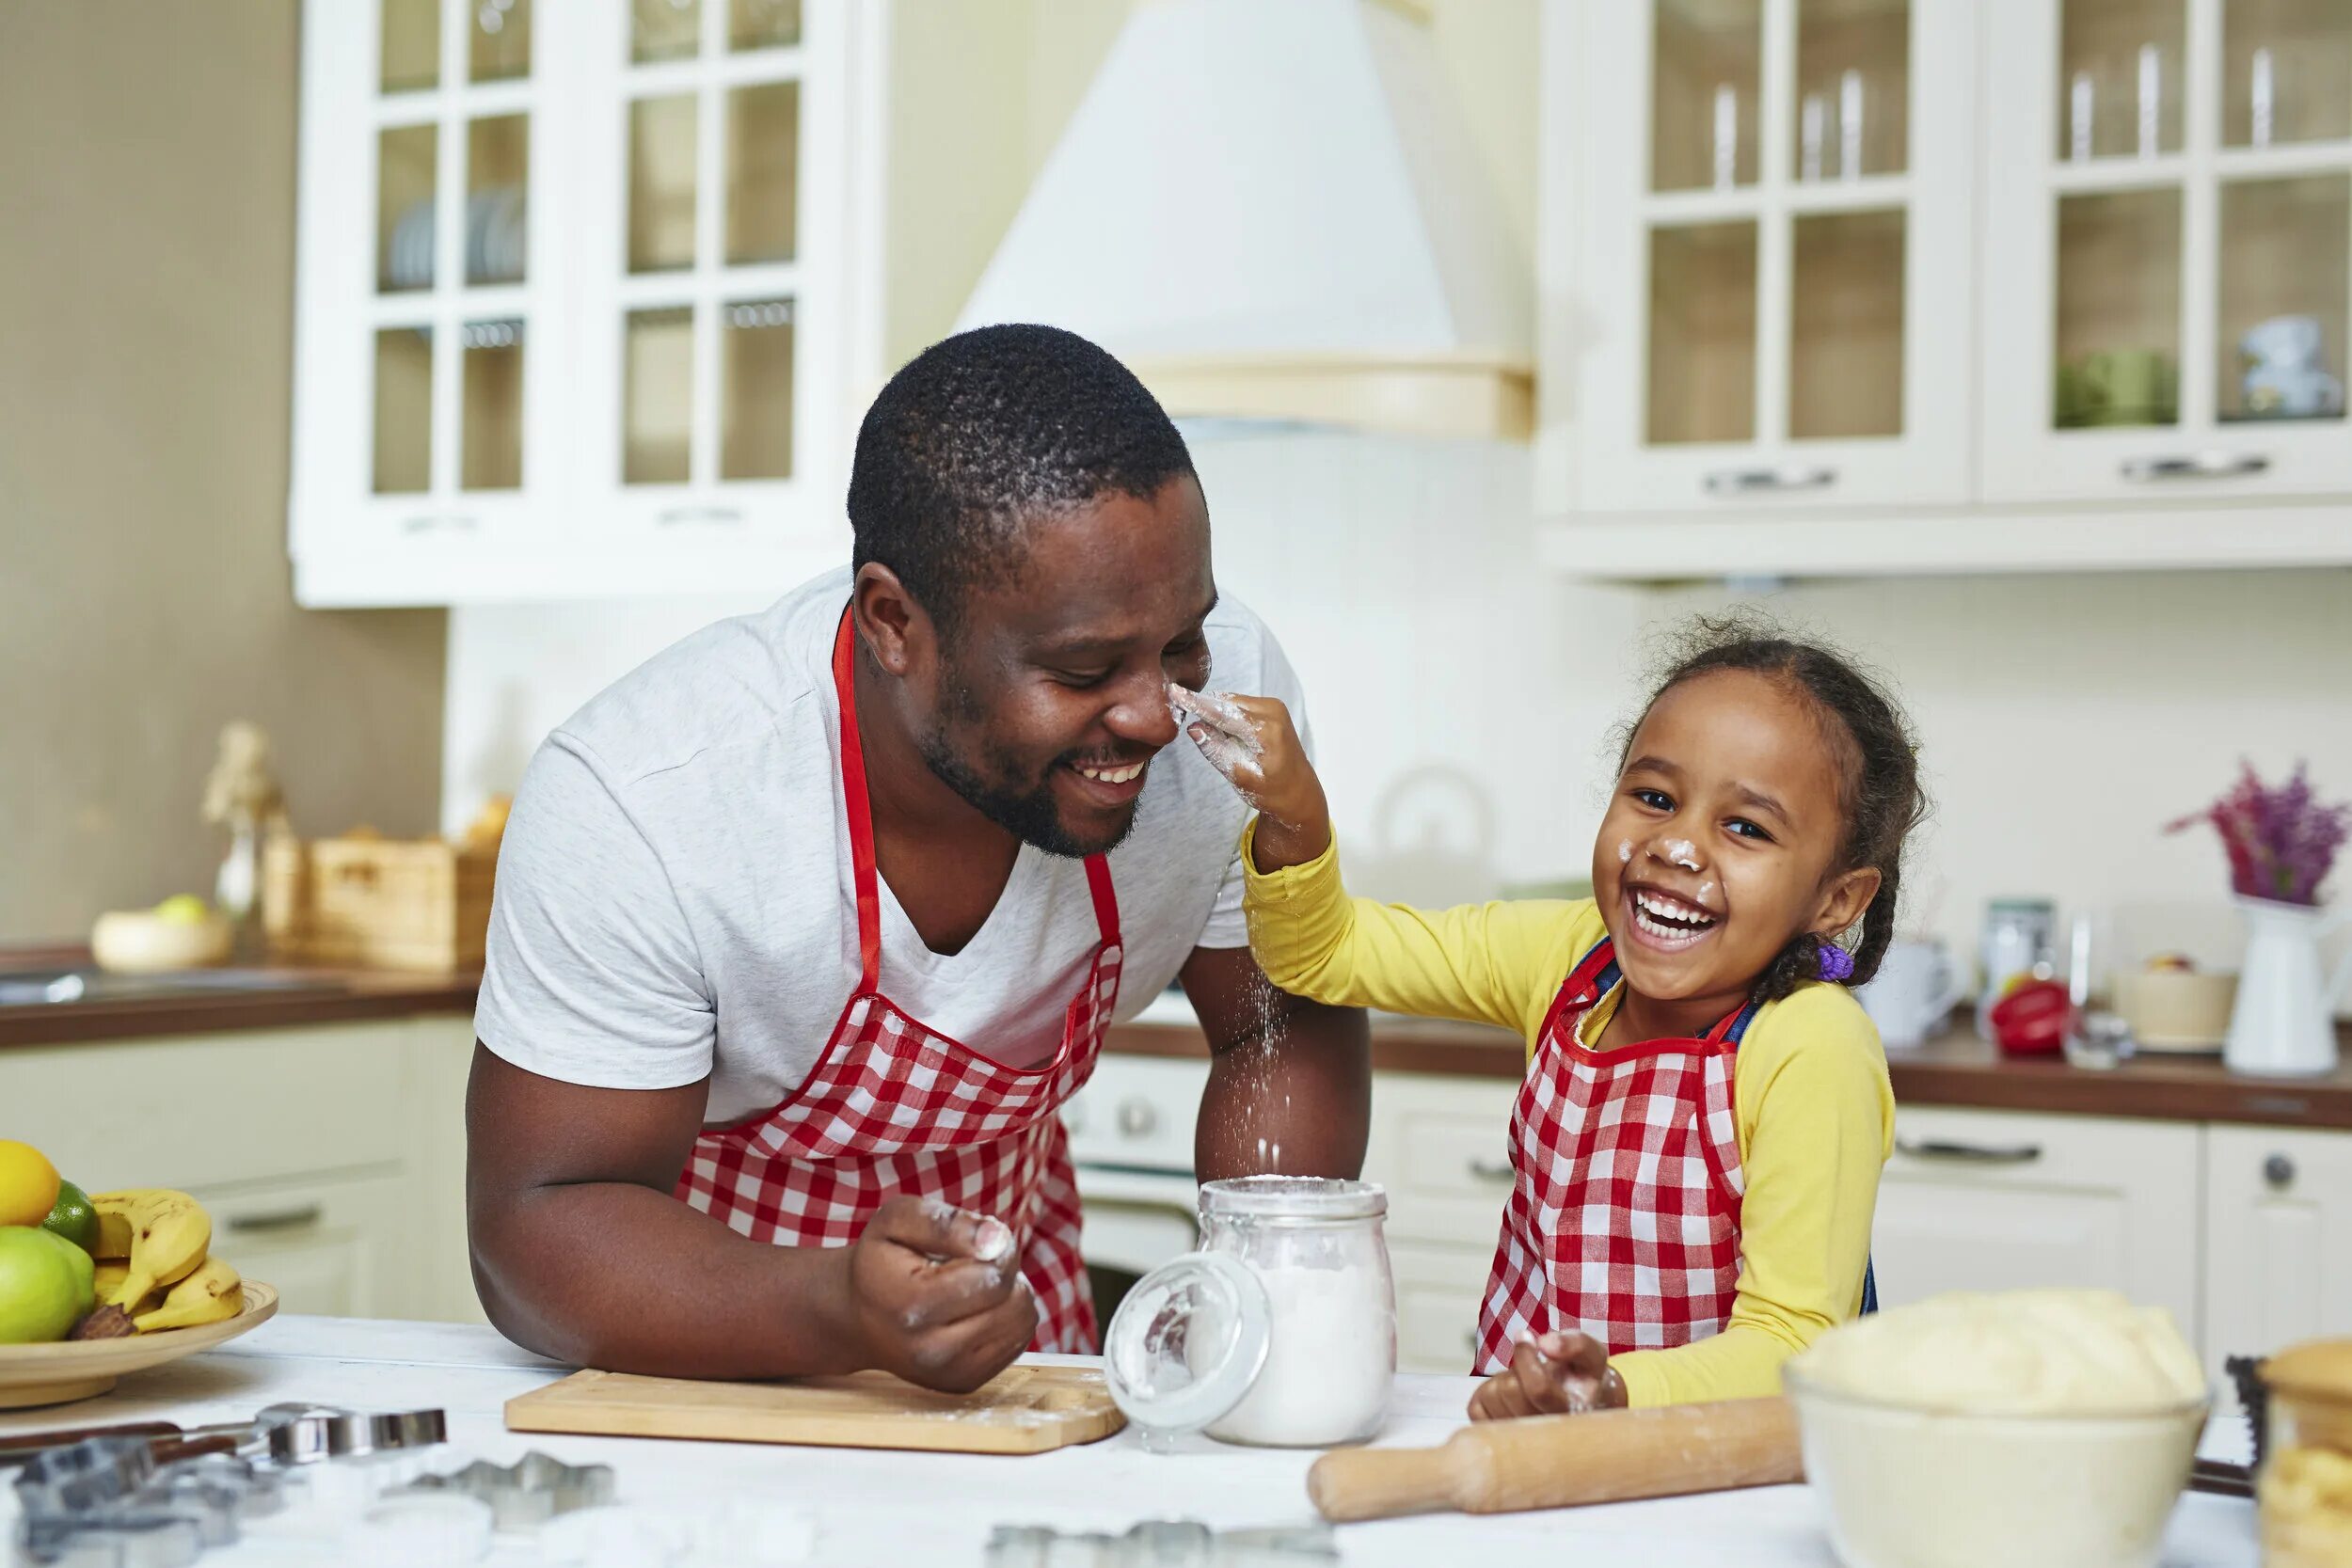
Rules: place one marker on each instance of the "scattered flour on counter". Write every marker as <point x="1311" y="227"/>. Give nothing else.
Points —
<point x="1329" y="1362"/>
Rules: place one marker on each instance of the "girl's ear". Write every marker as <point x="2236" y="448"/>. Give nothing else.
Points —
<point x="1844" y="898"/>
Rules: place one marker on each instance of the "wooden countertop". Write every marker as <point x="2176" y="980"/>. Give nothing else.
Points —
<point x="340" y="996"/>
<point x="1956" y="1069"/>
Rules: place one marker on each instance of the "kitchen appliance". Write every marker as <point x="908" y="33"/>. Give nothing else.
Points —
<point x="1563" y="1461"/>
<point x="1024" y="1409"/>
<point x="2018" y="944"/>
<point x="1912" y="994"/>
<point x="1274" y="210"/>
<point x="2282" y="1025"/>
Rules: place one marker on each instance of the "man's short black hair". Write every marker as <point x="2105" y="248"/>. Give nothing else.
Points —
<point x="986" y="431"/>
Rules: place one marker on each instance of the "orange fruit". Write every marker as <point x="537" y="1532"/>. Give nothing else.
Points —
<point x="28" y="1183"/>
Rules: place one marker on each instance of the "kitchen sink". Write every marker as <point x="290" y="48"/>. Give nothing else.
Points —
<point x="49" y="988"/>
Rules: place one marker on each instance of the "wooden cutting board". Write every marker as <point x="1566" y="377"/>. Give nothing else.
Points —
<point x="1025" y="1409"/>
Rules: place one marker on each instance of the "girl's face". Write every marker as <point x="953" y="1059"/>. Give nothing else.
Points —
<point x="1720" y="840"/>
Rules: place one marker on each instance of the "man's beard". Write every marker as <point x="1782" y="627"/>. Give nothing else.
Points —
<point x="1031" y="816"/>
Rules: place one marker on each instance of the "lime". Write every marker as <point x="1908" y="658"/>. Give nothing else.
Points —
<point x="46" y="1286"/>
<point x="184" y="909"/>
<point x="28" y="1183"/>
<point x="73" y="1218"/>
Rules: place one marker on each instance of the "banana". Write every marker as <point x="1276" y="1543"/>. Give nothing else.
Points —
<point x="109" y="1278"/>
<point x="114" y="1237"/>
<point x="214" y="1291"/>
<point x="170" y="1233"/>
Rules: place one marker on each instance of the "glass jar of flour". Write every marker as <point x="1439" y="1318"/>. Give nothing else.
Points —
<point x="1281" y="1331"/>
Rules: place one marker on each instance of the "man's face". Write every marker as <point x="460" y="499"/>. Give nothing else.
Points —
<point x="1051" y="699"/>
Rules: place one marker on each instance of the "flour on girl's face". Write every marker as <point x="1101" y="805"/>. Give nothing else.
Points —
<point x="1625" y="851"/>
<point x="1682" y="854"/>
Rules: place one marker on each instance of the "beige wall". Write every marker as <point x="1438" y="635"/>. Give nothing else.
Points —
<point x="147" y="170"/>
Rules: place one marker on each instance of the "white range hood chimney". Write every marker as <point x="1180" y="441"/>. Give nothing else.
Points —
<point x="1272" y="210"/>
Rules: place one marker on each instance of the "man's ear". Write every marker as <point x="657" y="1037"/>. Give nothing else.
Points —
<point x="1844" y="898"/>
<point x="896" y="630"/>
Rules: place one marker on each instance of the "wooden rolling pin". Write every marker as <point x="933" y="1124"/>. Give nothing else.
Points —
<point x="1561" y="1461"/>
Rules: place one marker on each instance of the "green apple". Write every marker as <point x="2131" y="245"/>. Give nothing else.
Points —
<point x="47" y="1285"/>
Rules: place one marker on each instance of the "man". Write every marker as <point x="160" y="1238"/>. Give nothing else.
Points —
<point x="806" y="928"/>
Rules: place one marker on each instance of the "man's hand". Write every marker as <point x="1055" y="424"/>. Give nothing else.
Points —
<point x="1554" y="1374"/>
<point x="937" y="1297"/>
<point x="1252" y="741"/>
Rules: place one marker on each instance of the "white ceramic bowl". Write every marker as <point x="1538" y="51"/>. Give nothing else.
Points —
<point x="1906" y="1487"/>
<point x="140" y="942"/>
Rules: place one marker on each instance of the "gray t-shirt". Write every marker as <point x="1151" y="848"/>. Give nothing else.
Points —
<point x="675" y="894"/>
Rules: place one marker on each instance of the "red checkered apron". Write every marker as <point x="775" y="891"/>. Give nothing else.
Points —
<point x="894" y="1107"/>
<point x="1624" y="1221"/>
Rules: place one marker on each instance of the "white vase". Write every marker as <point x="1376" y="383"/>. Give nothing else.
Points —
<point x="2283" y="1025"/>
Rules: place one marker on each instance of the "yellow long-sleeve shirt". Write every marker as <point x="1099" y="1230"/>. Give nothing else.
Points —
<point x="1813" y="1109"/>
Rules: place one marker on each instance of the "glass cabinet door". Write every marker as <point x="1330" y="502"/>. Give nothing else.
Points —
<point x="452" y="296"/>
<point x="1781" y="283"/>
<point x="2168" y="250"/>
<point x="695" y="340"/>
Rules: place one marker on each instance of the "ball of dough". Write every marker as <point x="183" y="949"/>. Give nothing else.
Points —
<point x="2060" y="1353"/>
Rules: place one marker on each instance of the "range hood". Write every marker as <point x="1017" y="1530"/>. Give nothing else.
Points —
<point x="1272" y="211"/>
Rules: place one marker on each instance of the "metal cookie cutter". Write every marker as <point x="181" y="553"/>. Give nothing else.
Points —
<point x="1161" y="1543"/>
<point x="527" y="1494"/>
<point x="304" y="1434"/>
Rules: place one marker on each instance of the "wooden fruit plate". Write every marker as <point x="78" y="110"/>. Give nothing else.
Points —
<point x="80" y="1369"/>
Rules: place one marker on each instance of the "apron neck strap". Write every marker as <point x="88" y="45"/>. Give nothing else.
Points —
<point x="860" y="811"/>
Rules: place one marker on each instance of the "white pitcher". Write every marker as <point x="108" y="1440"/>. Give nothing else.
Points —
<point x="2283" y="1025"/>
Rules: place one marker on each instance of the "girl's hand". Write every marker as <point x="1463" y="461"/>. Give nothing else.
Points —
<point x="1554" y="1374"/>
<point x="1251" y="741"/>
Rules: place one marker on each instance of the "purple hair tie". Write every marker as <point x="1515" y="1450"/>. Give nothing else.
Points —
<point x="1836" y="963"/>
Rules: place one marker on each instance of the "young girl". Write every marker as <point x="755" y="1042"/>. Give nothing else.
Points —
<point x="1698" y="1143"/>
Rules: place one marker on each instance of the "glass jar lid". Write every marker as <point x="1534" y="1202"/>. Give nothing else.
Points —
<point x="1187" y="1342"/>
<point x="1310" y="1199"/>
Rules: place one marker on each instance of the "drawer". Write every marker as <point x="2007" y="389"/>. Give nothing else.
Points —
<point x="335" y="1248"/>
<point x="1442" y="1148"/>
<point x="1980" y="1201"/>
<point x="208" y="1110"/>
<point x="1438" y="1293"/>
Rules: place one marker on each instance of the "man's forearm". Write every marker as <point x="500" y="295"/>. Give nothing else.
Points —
<point x="616" y="1276"/>
<point x="1297" y="1101"/>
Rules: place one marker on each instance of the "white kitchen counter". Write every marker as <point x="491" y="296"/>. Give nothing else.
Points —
<point x="876" y="1508"/>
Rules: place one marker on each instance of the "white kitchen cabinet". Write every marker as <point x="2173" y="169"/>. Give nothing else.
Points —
<point x="331" y="1156"/>
<point x="574" y="307"/>
<point x="1773" y="202"/>
<point x="1441" y="1146"/>
<point x="1981" y="1201"/>
<point x="2173" y="177"/>
<point x="2053" y="383"/>
<point x="2278" y="1238"/>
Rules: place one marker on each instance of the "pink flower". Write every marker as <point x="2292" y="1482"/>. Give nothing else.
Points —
<point x="2281" y="843"/>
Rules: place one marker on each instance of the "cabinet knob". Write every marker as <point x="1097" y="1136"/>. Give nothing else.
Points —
<point x="2278" y="1170"/>
<point x="1137" y="1118"/>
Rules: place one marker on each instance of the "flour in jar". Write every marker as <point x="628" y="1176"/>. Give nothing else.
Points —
<point x="1330" y="1359"/>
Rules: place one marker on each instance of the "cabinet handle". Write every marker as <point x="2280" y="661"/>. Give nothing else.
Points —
<point x="670" y="516"/>
<point x="279" y="1219"/>
<point x="1491" y="1171"/>
<point x="1754" y="482"/>
<point x="438" y="522"/>
<point x="2203" y="465"/>
<point x="1469" y="1344"/>
<point x="2278" y="1170"/>
<point x="1972" y="1154"/>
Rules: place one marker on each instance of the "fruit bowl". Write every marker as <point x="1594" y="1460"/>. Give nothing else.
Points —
<point x="81" y="1369"/>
